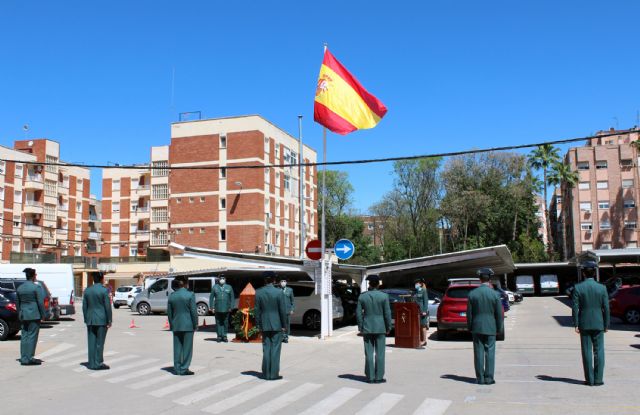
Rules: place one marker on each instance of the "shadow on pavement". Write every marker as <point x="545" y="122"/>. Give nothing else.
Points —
<point x="169" y="369"/>
<point x="564" y="321"/>
<point x="357" y="378"/>
<point x="564" y="300"/>
<point x="637" y="346"/>
<point x="458" y="378"/>
<point x="557" y="379"/>
<point x="252" y="373"/>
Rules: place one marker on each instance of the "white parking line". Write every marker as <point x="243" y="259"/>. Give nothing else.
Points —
<point x="244" y="396"/>
<point x="213" y="390"/>
<point x="187" y="383"/>
<point x="119" y="359"/>
<point x="432" y="407"/>
<point x="76" y="362"/>
<point x="55" y="350"/>
<point x="159" y="378"/>
<point x="332" y="402"/>
<point x="381" y="405"/>
<point x="284" y="399"/>
<point x="139" y="373"/>
<point x="104" y="373"/>
<point x="67" y="356"/>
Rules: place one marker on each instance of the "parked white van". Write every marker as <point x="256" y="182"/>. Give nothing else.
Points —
<point x="155" y="298"/>
<point x="58" y="277"/>
<point x="549" y="284"/>
<point x="524" y="284"/>
<point x="306" y="309"/>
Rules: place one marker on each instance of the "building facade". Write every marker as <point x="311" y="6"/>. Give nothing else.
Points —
<point x="204" y="190"/>
<point x="45" y="207"/>
<point x="600" y="211"/>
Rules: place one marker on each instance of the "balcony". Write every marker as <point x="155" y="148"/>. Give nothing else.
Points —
<point x="142" y="236"/>
<point x="94" y="235"/>
<point x="32" y="206"/>
<point x="63" y="207"/>
<point x="93" y="218"/>
<point x="32" y="258"/>
<point x="32" y="231"/>
<point x="142" y="190"/>
<point x="34" y="182"/>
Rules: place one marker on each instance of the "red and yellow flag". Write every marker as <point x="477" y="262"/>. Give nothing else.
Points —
<point x="342" y="104"/>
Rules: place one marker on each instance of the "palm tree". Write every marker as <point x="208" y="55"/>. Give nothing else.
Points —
<point x="563" y="176"/>
<point x="544" y="158"/>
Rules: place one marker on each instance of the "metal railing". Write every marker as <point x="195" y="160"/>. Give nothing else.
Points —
<point x="32" y="258"/>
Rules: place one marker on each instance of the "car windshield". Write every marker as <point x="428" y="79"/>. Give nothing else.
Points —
<point x="459" y="292"/>
<point x="124" y="289"/>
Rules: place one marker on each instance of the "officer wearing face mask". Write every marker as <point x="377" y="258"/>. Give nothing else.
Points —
<point x="221" y="300"/>
<point x="422" y="298"/>
<point x="289" y="303"/>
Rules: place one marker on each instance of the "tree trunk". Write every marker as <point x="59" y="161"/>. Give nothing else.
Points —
<point x="546" y="214"/>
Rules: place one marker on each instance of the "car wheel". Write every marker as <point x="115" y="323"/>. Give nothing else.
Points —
<point x="311" y="320"/>
<point x="144" y="309"/>
<point x="500" y="336"/>
<point x="442" y="334"/>
<point x="116" y="306"/>
<point x="632" y="316"/>
<point x="203" y="309"/>
<point x="4" y="330"/>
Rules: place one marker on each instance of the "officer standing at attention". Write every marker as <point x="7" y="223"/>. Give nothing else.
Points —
<point x="422" y="298"/>
<point x="183" y="321"/>
<point x="374" y="323"/>
<point x="271" y="320"/>
<point x="290" y="303"/>
<point x="96" y="309"/>
<point x="31" y="313"/>
<point x="591" y="320"/>
<point x="221" y="300"/>
<point x="485" y="320"/>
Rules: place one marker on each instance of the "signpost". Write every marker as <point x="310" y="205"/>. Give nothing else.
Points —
<point x="344" y="249"/>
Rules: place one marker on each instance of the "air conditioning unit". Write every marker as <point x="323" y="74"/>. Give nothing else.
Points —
<point x="270" y="248"/>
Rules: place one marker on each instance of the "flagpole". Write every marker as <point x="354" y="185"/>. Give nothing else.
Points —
<point x="301" y="188"/>
<point x="324" y="310"/>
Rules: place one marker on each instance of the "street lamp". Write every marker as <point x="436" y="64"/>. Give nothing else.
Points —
<point x="238" y="183"/>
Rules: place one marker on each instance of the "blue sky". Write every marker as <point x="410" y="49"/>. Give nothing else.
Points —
<point x="96" y="76"/>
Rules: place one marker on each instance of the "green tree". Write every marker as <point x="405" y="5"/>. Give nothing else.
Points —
<point x="544" y="158"/>
<point x="562" y="175"/>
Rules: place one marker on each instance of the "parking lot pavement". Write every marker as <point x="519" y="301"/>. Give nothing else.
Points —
<point x="538" y="370"/>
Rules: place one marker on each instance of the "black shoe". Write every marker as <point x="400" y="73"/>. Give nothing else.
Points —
<point x="103" y="367"/>
<point x="187" y="373"/>
<point x="380" y="381"/>
<point x="31" y="363"/>
<point x="489" y="382"/>
<point x="598" y="384"/>
<point x="585" y="383"/>
<point x="370" y="381"/>
<point x="285" y="340"/>
<point x="37" y="360"/>
<point x="225" y="340"/>
<point x="276" y="378"/>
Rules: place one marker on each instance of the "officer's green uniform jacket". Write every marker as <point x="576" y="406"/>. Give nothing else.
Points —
<point x="181" y="310"/>
<point x="590" y="306"/>
<point x="30" y="302"/>
<point x="271" y="318"/>
<point x="96" y="306"/>
<point x="221" y="298"/>
<point x="422" y="298"/>
<point x="373" y="312"/>
<point x="484" y="311"/>
<point x="289" y="298"/>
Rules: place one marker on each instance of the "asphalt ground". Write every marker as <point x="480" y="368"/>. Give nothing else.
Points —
<point x="538" y="371"/>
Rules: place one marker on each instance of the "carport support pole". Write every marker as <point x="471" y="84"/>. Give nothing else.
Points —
<point x="324" y="296"/>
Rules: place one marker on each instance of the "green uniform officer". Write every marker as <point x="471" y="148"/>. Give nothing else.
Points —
<point x="271" y="320"/>
<point x="221" y="301"/>
<point x="374" y="323"/>
<point x="422" y="298"/>
<point x="485" y="320"/>
<point x="591" y="320"/>
<point x="31" y="313"/>
<point x="96" y="309"/>
<point x="290" y="303"/>
<point x="183" y="321"/>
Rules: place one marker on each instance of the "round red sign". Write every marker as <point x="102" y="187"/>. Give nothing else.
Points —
<point x="314" y="249"/>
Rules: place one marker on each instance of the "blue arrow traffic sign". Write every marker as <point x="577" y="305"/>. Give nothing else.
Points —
<point x="344" y="249"/>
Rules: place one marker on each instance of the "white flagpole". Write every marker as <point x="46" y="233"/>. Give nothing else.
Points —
<point x="324" y="309"/>
<point x="301" y="188"/>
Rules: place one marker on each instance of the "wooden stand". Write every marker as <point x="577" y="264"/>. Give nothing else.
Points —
<point x="407" y="325"/>
<point x="247" y="301"/>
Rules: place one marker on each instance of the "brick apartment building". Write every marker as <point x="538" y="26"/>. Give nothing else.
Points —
<point x="252" y="210"/>
<point x="601" y="212"/>
<point x="374" y="228"/>
<point x="46" y="209"/>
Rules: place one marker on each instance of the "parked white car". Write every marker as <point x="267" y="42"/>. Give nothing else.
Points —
<point x="132" y="295"/>
<point x="307" y="305"/>
<point x="122" y="295"/>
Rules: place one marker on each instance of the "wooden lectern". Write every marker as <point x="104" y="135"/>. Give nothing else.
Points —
<point x="407" y="325"/>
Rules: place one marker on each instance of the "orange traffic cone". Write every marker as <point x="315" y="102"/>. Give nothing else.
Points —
<point x="204" y="324"/>
<point x="166" y="325"/>
<point x="133" y="325"/>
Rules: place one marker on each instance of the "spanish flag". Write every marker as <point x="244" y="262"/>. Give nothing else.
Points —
<point x="342" y="104"/>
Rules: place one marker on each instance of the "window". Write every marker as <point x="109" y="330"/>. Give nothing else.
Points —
<point x="629" y="224"/>
<point x="605" y="224"/>
<point x="134" y="228"/>
<point x="583" y="165"/>
<point x="16" y="221"/>
<point x="586" y="226"/>
<point x="632" y="244"/>
<point x="19" y="170"/>
<point x="200" y="286"/>
<point x="267" y="175"/>
<point x="201" y="230"/>
<point x="627" y="183"/>
<point x="223" y="234"/>
<point x="603" y="204"/>
<point x="558" y="199"/>
<point x="115" y="250"/>
<point x="79" y="206"/>
<point x="630" y="203"/>
<point x="49" y="212"/>
<point x="159" y="238"/>
<point x="53" y="160"/>
<point x="605" y="245"/>
<point x="178" y="231"/>
<point x="1" y="193"/>
<point x="287" y="182"/>
<point x="115" y="207"/>
<point x="223" y="172"/>
<point x="583" y="185"/>
<point x="586" y="247"/>
<point x="223" y="141"/>
<point x="603" y="185"/>
<point x="223" y="203"/>
<point x="17" y="196"/>
<point x="50" y="188"/>
<point x="160" y="214"/>
<point x="601" y="164"/>
<point x="134" y="206"/>
<point x="277" y="153"/>
<point x="190" y="231"/>
<point x="192" y="199"/>
<point x="134" y="183"/>
<point x="626" y="163"/>
<point x="586" y="206"/>
<point x="160" y="191"/>
<point x="201" y="199"/>
<point x="79" y="182"/>
<point x="115" y="186"/>
<point x="179" y="200"/>
<point x="160" y="168"/>
<point x="133" y="251"/>
<point x="115" y="229"/>
<point x="15" y="246"/>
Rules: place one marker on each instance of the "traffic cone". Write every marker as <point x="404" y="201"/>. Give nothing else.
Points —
<point x="133" y="325"/>
<point x="204" y="324"/>
<point x="166" y="325"/>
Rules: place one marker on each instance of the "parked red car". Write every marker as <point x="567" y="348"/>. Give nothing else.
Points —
<point x="452" y="313"/>
<point x="625" y="304"/>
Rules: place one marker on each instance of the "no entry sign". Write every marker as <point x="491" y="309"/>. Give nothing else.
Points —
<point x="314" y="250"/>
